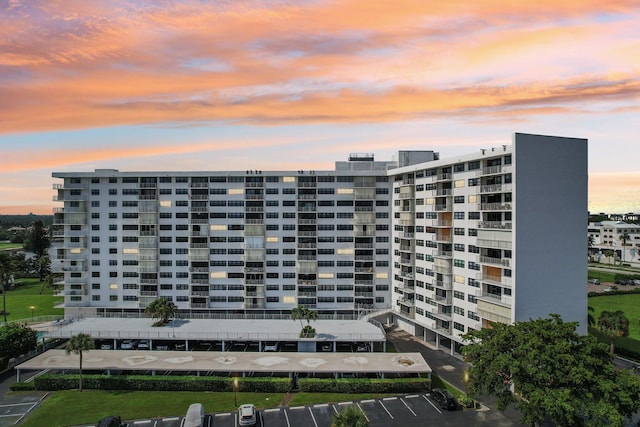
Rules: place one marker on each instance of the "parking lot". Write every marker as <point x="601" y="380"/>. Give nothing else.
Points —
<point x="391" y="411"/>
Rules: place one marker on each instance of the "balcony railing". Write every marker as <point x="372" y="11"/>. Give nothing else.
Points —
<point x="495" y="261"/>
<point x="497" y="225"/>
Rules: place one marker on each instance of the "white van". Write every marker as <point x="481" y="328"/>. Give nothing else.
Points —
<point x="194" y="417"/>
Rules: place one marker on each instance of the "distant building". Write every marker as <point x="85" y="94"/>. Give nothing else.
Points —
<point x="607" y="235"/>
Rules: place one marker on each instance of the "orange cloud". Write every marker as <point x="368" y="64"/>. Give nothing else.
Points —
<point x="77" y="65"/>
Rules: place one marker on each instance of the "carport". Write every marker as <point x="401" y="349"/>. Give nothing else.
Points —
<point x="233" y="363"/>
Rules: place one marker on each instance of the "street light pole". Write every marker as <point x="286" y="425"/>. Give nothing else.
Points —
<point x="32" y="308"/>
<point x="235" y="391"/>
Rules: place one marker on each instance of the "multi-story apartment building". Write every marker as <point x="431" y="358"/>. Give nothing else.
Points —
<point x="260" y="241"/>
<point x="621" y="238"/>
<point x="448" y="244"/>
<point x="494" y="236"/>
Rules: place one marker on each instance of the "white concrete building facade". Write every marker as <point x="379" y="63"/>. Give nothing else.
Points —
<point x="494" y="236"/>
<point x="449" y="245"/>
<point x="226" y="241"/>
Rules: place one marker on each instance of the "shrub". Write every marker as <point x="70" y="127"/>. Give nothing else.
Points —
<point x="161" y="383"/>
<point x="23" y="386"/>
<point x="308" y="332"/>
<point x="364" y="385"/>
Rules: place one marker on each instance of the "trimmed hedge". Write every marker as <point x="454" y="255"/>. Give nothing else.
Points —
<point x="23" y="386"/>
<point x="364" y="385"/>
<point x="161" y="383"/>
<point x="624" y="346"/>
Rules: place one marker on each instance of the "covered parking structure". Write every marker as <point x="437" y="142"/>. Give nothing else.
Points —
<point x="187" y="334"/>
<point x="235" y="363"/>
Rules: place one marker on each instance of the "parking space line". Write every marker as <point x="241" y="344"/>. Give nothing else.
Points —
<point x="17" y="404"/>
<point x="363" y="413"/>
<point x="405" y="404"/>
<point x="312" y="417"/>
<point x="431" y="403"/>
<point x="287" y="417"/>
<point x="334" y="408"/>
<point x="272" y="410"/>
<point x="385" y="408"/>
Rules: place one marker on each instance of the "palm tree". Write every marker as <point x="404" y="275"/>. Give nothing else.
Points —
<point x="613" y="324"/>
<point x="162" y="309"/>
<point x="350" y="416"/>
<point x="625" y="238"/>
<point x="298" y="313"/>
<point x="6" y="269"/>
<point x="77" y="344"/>
<point x="608" y="253"/>
<point x="302" y="312"/>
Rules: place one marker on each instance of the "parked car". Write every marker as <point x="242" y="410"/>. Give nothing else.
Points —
<point x="610" y="289"/>
<point x="444" y="398"/>
<point x="143" y="345"/>
<point x="594" y="281"/>
<point x="247" y="415"/>
<point x="106" y="347"/>
<point x="128" y="345"/>
<point x="194" y="417"/>
<point x="271" y="346"/>
<point x="110" y="421"/>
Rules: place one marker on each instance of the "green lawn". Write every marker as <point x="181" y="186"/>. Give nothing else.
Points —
<point x="71" y="407"/>
<point x="628" y="303"/>
<point x="27" y="295"/>
<point x="10" y="246"/>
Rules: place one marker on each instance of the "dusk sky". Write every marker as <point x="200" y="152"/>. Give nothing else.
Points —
<point x="288" y="85"/>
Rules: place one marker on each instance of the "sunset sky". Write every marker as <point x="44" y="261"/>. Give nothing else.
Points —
<point x="288" y="85"/>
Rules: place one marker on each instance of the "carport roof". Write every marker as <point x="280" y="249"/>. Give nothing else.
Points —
<point x="217" y="329"/>
<point x="224" y="362"/>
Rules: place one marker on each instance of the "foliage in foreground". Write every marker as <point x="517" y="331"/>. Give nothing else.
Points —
<point x="555" y="373"/>
<point x="350" y="416"/>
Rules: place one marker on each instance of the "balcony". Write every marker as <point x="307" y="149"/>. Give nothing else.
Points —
<point x="505" y="282"/>
<point x="445" y="300"/>
<point x="447" y="285"/>
<point x="199" y="293"/>
<point x="444" y="315"/>
<point x="444" y="207"/>
<point x="443" y="192"/>
<point x="254" y="184"/>
<point x="494" y="298"/>
<point x="503" y="262"/>
<point x="495" y="206"/>
<point x="495" y="225"/>
<point x="408" y="302"/>
<point x="443" y="177"/>
<point x="496" y="188"/>
<point x="494" y="170"/>
<point x="443" y="254"/>
<point x="307" y="221"/>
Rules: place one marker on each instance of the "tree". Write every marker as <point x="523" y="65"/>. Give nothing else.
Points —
<point x="162" y="309"/>
<point x="78" y="344"/>
<point x="302" y="312"/>
<point x="591" y="321"/>
<point x="625" y="238"/>
<point x="608" y="253"/>
<point x="548" y="371"/>
<point x="350" y="416"/>
<point x="16" y="339"/>
<point x="6" y="270"/>
<point x="613" y="324"/>
<point x="37" y="240"/>
<point x="44" y="267"/>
